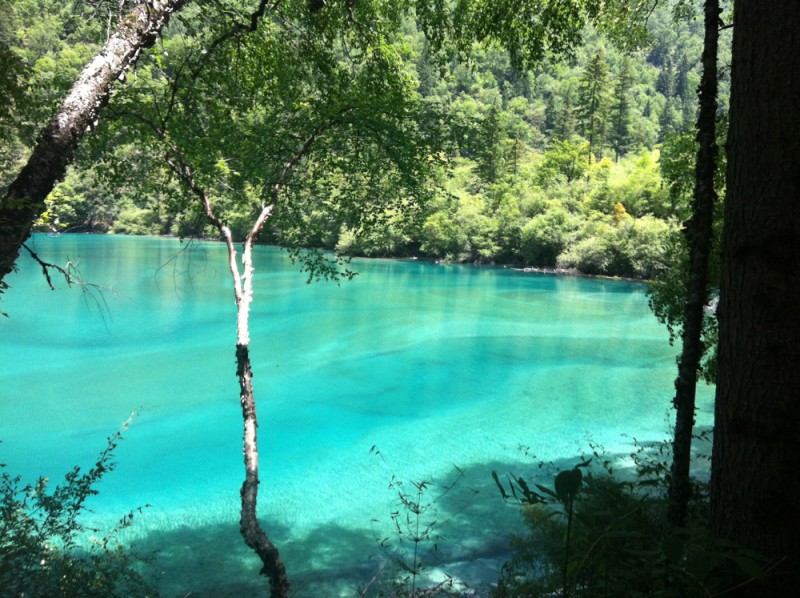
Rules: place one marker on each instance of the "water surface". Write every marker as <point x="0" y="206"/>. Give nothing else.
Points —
<point x="428" y="365"/>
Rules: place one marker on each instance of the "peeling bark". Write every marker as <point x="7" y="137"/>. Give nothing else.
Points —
<point x="252" y="533"/>
<point x="24" y="200"/>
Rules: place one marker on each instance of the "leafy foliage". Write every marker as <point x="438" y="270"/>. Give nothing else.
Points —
<point x="399" y="117"/>
<point x="667" y="292"/>
<point x="616" y="540"/>
<point x="45" y="549"/>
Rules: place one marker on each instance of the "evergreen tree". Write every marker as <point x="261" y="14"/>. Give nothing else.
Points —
<point x="684" y="89"/>
<point x="489" y="156"/>
<point x="665" y="84"/>
<point x="621" y="113"/>
<point x="593" y="103"/>
<point x="564" y="112"/>
<point x="668" y="120"/>
<point x="427" y="71"/>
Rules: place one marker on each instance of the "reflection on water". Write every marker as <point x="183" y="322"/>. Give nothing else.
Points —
<point x="434" y="365"/>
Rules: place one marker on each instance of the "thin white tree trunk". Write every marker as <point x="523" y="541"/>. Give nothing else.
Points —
<point x="242" y="275"/>
<point x="252" y="533"/>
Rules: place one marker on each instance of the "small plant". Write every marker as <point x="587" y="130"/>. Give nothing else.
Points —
<point x="567" y="487"/>
<point x="44" y="550"/>
<point x="414" y="544"/>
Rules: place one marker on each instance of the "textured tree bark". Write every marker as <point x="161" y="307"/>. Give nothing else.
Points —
<point x="698" y="233"/>
<point x="249" y="527"/>
<point x="755" y="482"/>
<point x="24" y="200"/>
<point x="252" y="533"/>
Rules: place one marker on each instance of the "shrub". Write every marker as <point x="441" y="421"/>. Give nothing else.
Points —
<point x="44" y="551"/>
<point x="603" y="534"/>
<point x="545" y="236"/>
<point x="137" y="221"/>
<point x="592" y="255"/>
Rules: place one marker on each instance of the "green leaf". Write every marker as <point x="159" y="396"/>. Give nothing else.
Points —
<point x="750" y="567"/>
<point x="531" y="497"/>
<point x="547" y="491"/>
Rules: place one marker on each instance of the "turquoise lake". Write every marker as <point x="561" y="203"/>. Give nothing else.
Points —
<point x="431" y="366"/>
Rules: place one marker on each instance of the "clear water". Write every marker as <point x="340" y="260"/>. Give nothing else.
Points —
<point x="433" y="365"/>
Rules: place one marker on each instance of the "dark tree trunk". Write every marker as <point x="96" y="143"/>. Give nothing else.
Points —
<point x="698" y="233"/>
<point x="249" y="527"/>
<point x="24" y="200"/>
<point x="755" y="491"/>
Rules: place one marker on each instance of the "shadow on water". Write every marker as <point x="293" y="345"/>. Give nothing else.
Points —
<point x="472" y="534"/>
<point x="330" y="560"/>
<point x="213" y="561"/>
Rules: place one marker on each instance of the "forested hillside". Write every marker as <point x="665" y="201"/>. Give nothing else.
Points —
<point x="584" y="163"/>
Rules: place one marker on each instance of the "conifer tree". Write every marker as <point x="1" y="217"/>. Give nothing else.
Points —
<point x="593" y="103"/>
<point x="621" y="114"/>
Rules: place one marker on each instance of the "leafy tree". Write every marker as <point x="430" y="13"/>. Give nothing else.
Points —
<point x="565" y="158"/>
<point x="667" y="293"/>
<point x="24" y="200"/>
<point x="461" y="232"/>
<point x="639" y="186"/>
<point x="12" y="90"/>
<point x="532" y="29"/>
<point x="545" y="236"/>
<point x="489" y="156"/>
<point x="267" y="136"/>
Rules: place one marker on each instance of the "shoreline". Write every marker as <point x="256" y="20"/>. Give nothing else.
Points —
<point x="434" y="260"/>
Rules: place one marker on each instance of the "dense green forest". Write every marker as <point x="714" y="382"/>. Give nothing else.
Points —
<point x="583" y="163"/>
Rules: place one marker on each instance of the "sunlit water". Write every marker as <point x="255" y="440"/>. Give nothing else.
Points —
<point x="406" y="371"/>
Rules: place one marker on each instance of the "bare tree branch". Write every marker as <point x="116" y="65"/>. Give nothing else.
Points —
<point x="73" y="278"/>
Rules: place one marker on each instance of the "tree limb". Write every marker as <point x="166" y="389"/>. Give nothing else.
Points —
<point x="24" y="200"/>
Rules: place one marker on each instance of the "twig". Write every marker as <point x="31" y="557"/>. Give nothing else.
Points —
<point x="72" y="278"/>
<point x="752" y="579"/>
<point x="68" y="271"/>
